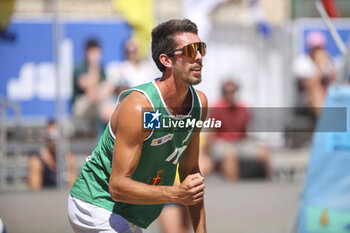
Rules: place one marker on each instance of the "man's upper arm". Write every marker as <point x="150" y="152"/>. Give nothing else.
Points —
<point x="126" y="124"/>
<point x="189" y="162"/>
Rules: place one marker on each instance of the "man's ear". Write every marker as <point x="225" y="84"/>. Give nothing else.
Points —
<point x="165" y="60"/>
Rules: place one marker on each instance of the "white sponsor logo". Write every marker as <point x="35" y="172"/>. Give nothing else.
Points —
<point x="162" y="140"/>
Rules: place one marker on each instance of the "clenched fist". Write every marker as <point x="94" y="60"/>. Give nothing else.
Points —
<point x="191" y="190"/>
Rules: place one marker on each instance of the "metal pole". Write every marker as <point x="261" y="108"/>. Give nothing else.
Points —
<point x="56" y="38"/>
<point x="340" y="44"/>
<point x="17" y="150"/>
<point x="3" y="148"/>
<point x="4" y="162"/>
<point x="331" y="27"/>
<point x="344" y="72"/>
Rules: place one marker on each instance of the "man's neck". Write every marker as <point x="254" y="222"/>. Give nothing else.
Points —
<point x="176" y="95"/>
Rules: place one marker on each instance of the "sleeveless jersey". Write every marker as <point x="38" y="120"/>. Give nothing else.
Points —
<point x="161" y="152"/>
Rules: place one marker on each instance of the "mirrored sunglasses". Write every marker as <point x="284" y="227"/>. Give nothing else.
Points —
<point x="190" y="50"/>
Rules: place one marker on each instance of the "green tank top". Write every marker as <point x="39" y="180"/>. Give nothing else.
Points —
<point x="161" y="152"/>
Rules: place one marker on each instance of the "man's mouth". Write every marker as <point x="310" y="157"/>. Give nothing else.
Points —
<point x="197" y="69"/>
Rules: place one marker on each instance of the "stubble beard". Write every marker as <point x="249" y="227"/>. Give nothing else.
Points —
<point x="187" y="76"/>
<point x="194" y="80"/>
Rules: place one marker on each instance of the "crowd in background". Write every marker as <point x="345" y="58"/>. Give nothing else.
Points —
<point x="231" y="150"/>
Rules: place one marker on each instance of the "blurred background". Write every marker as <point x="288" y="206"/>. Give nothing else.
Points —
<point x="63" y="64"/>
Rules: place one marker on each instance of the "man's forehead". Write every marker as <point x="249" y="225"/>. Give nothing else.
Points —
<point x="185" y="38"/>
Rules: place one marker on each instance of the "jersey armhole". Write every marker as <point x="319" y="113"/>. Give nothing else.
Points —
<point x="200" y="104"/>
<point x="118" y="101"/>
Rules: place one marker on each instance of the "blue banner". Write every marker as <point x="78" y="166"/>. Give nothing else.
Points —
<point x="305" y="26"/>
<point x="26" y="64"/>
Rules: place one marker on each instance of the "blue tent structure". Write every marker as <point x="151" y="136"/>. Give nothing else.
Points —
<point x="325" y="200"/>
<point x="325" y="204"/>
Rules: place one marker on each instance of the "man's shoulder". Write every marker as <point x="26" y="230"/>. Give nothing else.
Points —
<point x="202" y="98"/>
<point x="137" y="97"/>
<point x="128" y="115"/>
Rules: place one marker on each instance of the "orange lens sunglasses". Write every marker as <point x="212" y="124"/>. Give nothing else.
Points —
<point x="190" y="50"/>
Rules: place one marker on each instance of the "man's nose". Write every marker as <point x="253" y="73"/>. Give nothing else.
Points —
<point x="199" y="56"/>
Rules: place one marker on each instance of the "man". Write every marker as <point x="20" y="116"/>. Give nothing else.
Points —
<point x="230" y="146"/>
<point x="130" y="174"/>
<point x="133" y="69"/>
<point x="88" y="82"/>
<point x="314" y="72"/>
<point x="42" y="165"/>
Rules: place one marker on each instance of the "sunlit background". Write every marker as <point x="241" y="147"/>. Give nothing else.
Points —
<point x="259" y="44"/>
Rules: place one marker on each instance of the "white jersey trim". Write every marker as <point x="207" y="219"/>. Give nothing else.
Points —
<point x="200" y="104"/>
<point x="149" y="100"/>
<point x="166" y="107"/>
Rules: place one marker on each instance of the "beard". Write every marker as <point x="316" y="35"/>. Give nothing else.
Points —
<point x="187" y="74"/>
<point x="194" y="80"/>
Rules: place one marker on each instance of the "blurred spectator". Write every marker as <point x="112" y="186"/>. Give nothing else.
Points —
<point x="229" y="147"/>
<point x="174" y="217"/>
<point x="88" y="77"/>
<point x="206" y="164"/>
<point x="107" y="105"/>
<point x="134" y="70"/>
<point x="314" y="72"/>
<point x="42" y="166"/>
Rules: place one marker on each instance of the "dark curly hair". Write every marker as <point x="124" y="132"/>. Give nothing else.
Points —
<point x="163" y="37"/>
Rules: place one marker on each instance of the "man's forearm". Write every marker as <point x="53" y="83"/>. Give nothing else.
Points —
<point x="197" y="213"/>
<point x="134" y="192"/>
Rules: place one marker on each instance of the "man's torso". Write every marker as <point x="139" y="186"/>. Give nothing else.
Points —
<point x="160" y="155"/>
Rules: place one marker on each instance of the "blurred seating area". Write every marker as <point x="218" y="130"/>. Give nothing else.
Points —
<point x="32" y="8"/>
<point x="25" y="139"/>
<point x="276" y="11"/>
<point x="257" y="46"/>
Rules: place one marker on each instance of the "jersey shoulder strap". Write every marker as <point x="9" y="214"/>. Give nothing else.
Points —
<point x="148" y="89"/>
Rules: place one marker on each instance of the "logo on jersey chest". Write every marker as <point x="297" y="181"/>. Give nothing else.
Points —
<point x="157" y="178"/>
<point x="162" y="140"/>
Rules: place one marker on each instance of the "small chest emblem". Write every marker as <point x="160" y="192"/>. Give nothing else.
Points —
<point x="157" y="178"/>
<point x="162" y="140"/>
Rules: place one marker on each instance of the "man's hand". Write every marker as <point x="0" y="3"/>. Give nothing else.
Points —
<point x="191" y="190"/>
